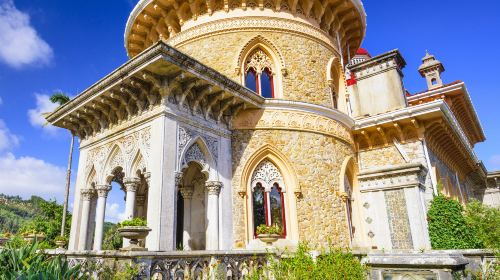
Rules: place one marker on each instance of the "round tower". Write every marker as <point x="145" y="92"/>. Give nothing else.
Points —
<point x="281" y="49"/>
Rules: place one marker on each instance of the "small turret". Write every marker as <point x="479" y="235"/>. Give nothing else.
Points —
<point x="431" y="70"/>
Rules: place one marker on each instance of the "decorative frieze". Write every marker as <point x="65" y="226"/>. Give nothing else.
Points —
<point x="401" y="176"/>
<point x="291" y="120"/>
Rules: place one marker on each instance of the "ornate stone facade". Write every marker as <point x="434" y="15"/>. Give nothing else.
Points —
<point x="205" y="160"/>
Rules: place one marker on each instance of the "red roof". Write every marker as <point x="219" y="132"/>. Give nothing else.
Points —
<point x="362" y="51"/>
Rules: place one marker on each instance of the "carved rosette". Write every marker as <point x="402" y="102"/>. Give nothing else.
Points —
<point x="103" y="190"/>
<point x="213" y="187"/>
<point x="131" y="183"/>
<point x="87" y="194"/>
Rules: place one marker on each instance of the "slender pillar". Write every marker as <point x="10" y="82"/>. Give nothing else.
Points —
<point x="131" y="185"/>
<point x="102" y="195"/>
<point x="187" y="194"/>
<point x="86" y="195"/>
<point x="212" y="240"/>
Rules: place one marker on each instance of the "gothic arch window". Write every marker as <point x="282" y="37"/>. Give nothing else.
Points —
<point x="335" y="84"/>
<point x="268" y="202"/>
<point x="259" y="73"/>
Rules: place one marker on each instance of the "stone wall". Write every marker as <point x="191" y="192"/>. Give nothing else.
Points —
<point x="317" y="160"/>
<point x="305" y="61"/>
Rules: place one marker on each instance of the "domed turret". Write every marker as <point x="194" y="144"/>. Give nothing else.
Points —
<point x="152" y="20"/>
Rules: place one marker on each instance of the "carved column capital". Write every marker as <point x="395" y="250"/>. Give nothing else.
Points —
<point x="103" y="190"/>
<point x="213" y="187"/>
<point x="87" y="194"/>
<point x="187" y="192"/>
<point x="131" y="183"/>
<point x="178" y="179"/>
<point x="147" y="177"/>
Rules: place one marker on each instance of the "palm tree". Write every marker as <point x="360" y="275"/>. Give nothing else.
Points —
<point x="61" y="99"/>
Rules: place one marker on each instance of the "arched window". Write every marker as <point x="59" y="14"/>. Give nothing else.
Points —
<point x="267" y="197"/>
<point x="259" y="73"/>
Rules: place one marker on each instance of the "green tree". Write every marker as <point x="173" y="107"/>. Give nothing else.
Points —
<point x="48" y="221"/>
<point x="61" y="99"/>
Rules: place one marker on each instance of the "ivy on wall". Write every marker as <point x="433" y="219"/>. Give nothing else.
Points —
<point x="448" y="228"/>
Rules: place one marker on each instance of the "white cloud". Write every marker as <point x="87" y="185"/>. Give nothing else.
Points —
<point x="7" y="139"/>
<point x="495" y="162"/>
<point x="20" y="44"/>
<point x="43" y="105"/>
<point x="114" y="214"/>
<point x="26" y="176"/>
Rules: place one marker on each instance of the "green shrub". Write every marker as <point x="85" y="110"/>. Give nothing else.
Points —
<point x="28" y="262"/>
<point x="135" y="222"/>
<point x="448" y="228"/>
<point x="334" y="264"/>
<point x="485" y="222"/>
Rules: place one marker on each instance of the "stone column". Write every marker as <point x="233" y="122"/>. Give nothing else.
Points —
<point x="102" y="194"/>
<point x="187" y="194"/>
<point x="86" y="195"/>
<point x="212" y="240"/>
<point x="131" y="185"/>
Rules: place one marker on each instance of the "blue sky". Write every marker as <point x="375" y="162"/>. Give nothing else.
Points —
<point x="69" y="45"/>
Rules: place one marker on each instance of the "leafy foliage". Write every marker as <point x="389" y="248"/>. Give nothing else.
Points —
<point x="15" y="212"/>
<point x="334" y="264"/>
<point x="59" y="98"/>
<point x="48" y="221"/>
<point x="27" y="262"/>
<point x="264" y="229"/>
<point x="112" y="240"/>
<point x="485" y="223"/>
<point x="135" y="222"/>
<point x="448" y="228"/>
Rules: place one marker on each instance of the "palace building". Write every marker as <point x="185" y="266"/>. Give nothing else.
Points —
<point x="238" y="113"/>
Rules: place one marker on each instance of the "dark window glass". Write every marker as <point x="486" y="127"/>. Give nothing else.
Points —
<point x="276" y="203"/>
<point x="251" y="80"/>
<point x="259" y="208"/>
<point x="266" y="80"/>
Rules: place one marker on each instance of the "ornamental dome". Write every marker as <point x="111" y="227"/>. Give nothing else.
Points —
<point x="342" y="21"/>
<point x="362" y="51"/>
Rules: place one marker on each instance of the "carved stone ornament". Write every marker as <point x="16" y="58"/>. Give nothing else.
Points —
<point x="185" y="135"/>
<point x="103" y="190"/>
<point x="131" y="184"/>
<point x="267" y="174"/>
<point x="194" y="153"/>
<point x="213" y="187"/>
<point x="178" y="179"/>
<point x="87" y="194"/>
<point x="259" y="61"/>
<point x="186" y="192"/>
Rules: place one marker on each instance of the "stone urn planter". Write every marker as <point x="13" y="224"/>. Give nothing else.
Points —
<point x="134" y="234"/>
<point x="269" y="239"/>
<point x="3" y="241"/>
<point x="37" y="237"/>
<point x="60" y="244"/>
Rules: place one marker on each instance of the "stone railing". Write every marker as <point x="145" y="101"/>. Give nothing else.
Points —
<point x="235" y="265"/>
<point x="173" y="265"/>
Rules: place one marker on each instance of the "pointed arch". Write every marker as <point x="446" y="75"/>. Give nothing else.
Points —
<point x="138" y="164"/>
<point x="349" y="194"/>
<point x="91" y="178"/>
<point x="273" y="76"/>
<point x="115" y="160"/>
<point x="196" y="150"/>
<point x="285" y="185"/>
<point x="335" y="79"/>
